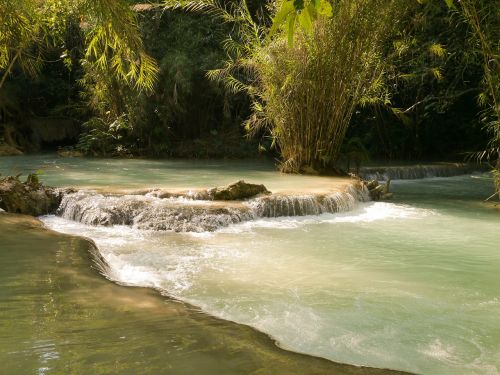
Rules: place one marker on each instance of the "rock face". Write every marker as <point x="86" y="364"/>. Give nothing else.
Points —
<point x="29" y="198"/>
<point x="411" y="172"/>
<point x="237" y="191"/>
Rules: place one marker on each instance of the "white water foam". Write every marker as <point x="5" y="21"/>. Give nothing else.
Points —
<point x="363" y="213"/>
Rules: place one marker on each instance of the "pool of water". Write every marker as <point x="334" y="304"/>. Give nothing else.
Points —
<point x="130" y="174"/>
<point x="411" y="284"/>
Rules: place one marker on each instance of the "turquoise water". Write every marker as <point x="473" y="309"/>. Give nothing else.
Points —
<point x="59" y="315"/>
<point x="411" y="284"/>
<point x="130" y="174"/>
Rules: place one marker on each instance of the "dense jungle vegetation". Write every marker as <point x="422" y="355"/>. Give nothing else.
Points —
<point x="318" y="84"/>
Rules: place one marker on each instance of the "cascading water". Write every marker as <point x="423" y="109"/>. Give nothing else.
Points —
<point x="151" y="213"/>
<point x="413" y="172"/>
<point x="309" y="204"/>
<point x="189" y="215"/>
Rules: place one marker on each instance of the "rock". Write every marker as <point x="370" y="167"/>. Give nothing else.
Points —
<point x="378" y="191"/>
<point x="6" y="150"/>
<point x="52" y="129"/>
<point x="237" y="191"/>
<point x="28" y="198"/>
<point x="372" y="184"/>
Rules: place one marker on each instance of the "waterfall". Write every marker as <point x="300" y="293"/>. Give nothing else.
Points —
<point x="188" y="215"/>
<point x="277" y="205"/>
<point x="412" y="172"/>
<point x="143" y="212"/>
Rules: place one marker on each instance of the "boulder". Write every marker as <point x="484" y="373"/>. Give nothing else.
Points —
<point x="28" y="198"/>
<point x="378" y="191"/>
<point x="237" y="191"/>
<point x="372" y="184"/>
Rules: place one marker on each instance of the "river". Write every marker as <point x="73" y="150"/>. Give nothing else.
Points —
<point x="411" y="284"/>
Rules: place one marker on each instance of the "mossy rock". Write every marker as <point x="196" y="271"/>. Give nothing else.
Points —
<point x="28" y="198"/>
<point x="238" y="191"/>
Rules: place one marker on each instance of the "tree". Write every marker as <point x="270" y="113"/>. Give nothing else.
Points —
<point x="112" y="42"/>
<point x="303" y="93"/>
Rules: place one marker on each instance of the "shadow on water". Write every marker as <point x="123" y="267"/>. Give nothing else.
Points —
<point x="59" y="316"/>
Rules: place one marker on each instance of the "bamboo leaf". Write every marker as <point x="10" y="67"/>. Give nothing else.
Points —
<point x="291" y="28"/>
<point x="282" y="16"/>
<point x="305" y="20"/>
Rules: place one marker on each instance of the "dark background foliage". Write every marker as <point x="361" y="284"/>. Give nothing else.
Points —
<point x="431" y="111"/>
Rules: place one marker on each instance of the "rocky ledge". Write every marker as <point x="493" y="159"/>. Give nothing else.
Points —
<point x="237" y="191"/>
<point x="29" y="197"/>
<point x="203" y="210"/>
<point x="32" y="198"/>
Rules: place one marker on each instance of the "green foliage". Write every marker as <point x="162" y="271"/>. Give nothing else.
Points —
<point x="425" y="106"/>
<point x="304" y="73"/>
<point x="105" y="139"/>
<point x="114" y="46"/>
<point x="311" y="90"/>
<point x="304" y="94"/>
<point x="113" y="43"/>
<point x="304" y="12"/>
<point x="187" y="115"/>
<point x="33" y="180"/>
<point x="483" y="18"/>
<point x="22" y="37"/>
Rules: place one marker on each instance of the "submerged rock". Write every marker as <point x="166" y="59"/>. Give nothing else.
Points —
<point x="29" y="198"/>
<point x="372" y="184"/>
<point x="238" y="191"/>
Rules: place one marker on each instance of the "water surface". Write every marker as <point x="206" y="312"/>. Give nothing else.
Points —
<point x="129" y="174"/>
<point x="411" y="284"/>
<point x="58" y="315"/>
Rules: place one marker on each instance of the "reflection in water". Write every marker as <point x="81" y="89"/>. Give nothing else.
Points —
<point x="59" y="316"/>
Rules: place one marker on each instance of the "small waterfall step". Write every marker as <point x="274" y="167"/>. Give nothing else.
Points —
<point x="180" y="214"/>
<point x="419" y="171"/>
